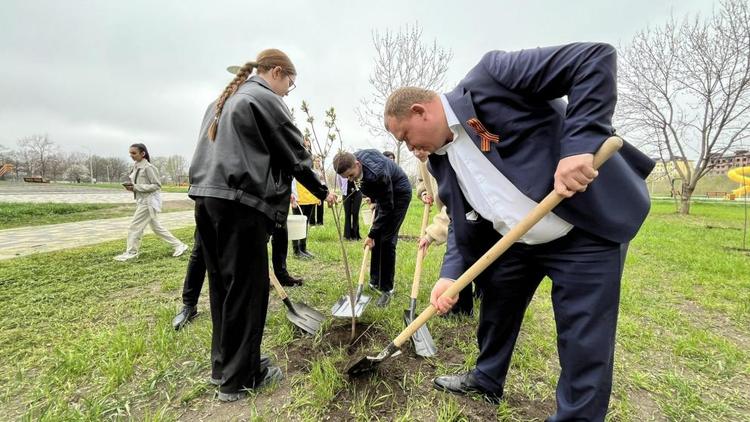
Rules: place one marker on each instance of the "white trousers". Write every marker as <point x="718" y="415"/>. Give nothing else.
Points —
<point x="143" y="216"/>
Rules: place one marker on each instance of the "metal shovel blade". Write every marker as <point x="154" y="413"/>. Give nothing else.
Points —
<point x="343" y="308"/>
<point x="424" y="345"/>
<point x="370" y="364"/>
<point x="305" y="318"/>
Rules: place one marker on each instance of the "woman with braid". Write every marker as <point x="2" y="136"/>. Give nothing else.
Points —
<point x="247" y="153"/>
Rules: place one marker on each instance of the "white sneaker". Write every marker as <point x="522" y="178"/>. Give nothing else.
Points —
<point x="180" y="250"/>
<point x="125" y="256"/>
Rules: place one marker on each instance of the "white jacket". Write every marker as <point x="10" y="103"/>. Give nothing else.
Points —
<point x="146" y="185"/>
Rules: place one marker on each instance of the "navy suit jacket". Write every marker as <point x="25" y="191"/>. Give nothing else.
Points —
<point x="382" y="181"/>
<point x="518" y="96"/>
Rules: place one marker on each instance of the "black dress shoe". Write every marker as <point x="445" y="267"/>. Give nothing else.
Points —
<point x="187" y="314"/>
<point x="290" y="281"/>
<point x="307" y="254"/>
<point x="464" y="384"/>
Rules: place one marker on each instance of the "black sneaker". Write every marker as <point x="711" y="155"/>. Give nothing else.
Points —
<point x="273" y="375"/>
<point x="187" y="314"/>
<point x="384" y="299"/>
<point x="265" y="362"/>
<point x="302" y="255"/>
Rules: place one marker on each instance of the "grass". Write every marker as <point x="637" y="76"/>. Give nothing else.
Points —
<point x="30" y="214"/>
<point x="86" y="338"/>
<point x="164" y="188"/>
<point x="34" y="214"/>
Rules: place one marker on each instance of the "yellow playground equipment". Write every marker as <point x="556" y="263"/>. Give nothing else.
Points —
<point x="740" y="175"/>
<point x="6" y="168"/>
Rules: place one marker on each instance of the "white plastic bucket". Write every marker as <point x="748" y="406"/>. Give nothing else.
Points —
<point x="296" y="226"/>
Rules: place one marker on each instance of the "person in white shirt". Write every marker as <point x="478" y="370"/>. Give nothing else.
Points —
<point x="498" y="144"/>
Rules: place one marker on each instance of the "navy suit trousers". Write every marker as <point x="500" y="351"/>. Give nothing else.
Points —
<point x="585" y="271"/>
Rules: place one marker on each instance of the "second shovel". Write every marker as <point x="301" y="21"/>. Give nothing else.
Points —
<point x="343" y="308"/>
<point x="424" y="345"/>
<point x="302" y="316"/>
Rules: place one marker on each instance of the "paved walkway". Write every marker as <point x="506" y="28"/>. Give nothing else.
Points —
<point x="71" y="194"/>
<point x="29" y="240"/>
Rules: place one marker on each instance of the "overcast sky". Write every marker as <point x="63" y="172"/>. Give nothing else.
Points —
<point x="104" y="74"/>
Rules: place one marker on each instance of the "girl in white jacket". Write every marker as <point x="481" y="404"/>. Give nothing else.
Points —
<point x="146" y="186"/>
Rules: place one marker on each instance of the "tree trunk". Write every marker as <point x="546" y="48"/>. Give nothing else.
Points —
<point x="684" y="205"/>
<point x="687" y="193"/>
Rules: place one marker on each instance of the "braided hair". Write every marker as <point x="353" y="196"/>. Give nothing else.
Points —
<point x="266" y="60"/>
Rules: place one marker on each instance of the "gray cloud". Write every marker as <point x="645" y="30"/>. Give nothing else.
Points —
<point x="104" y="74"/>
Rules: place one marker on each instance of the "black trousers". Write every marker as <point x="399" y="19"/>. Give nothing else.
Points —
<point x="307" y="210"/>
<point x="383" y="258"/>
<point x="195" y="274"/>
<point x="279" y="250"/>
<point x="352" y="204"/>
<point x="319" y="211"/>
<point x="465" y="304"/>
<point x="196" y="268"/>
<point x="585" y="271"/>
<point x="234" y="238"/>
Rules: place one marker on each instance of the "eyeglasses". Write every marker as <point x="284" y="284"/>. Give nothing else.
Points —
<point x="291" y="83"/>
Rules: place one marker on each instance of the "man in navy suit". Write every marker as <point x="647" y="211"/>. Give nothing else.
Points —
<point x="497" y="144"/>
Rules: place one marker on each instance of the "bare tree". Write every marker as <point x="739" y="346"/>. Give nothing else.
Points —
<point x="23" y="161"/>
<point x="77" y="173"/>
<point x="55" y="166"/>
<point x="685" y="90"/>
<point x="402" y="58"/>
<point x="332" y="125"/>
<point x="39" y="149"/>
<point x="176" y="168"/>
<point x="117" y="169"/>
<point x="161" y="164"/>
<point x="320" y="145"/>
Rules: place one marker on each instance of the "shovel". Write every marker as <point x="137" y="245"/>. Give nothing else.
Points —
<point x="369" y="363"/>
<point x="423" y="344"/>
<point x="343" y="308"/>
<point x="304" y="317"/>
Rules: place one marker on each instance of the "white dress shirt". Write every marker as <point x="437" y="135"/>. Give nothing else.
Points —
<point x="489" y="192"/>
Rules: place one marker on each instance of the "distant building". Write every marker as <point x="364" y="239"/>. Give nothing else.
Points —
<point x="664" y="168"/>
<point x="720" y="164"/>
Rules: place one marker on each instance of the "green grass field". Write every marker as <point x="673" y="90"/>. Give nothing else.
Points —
<point x="85" y="338"/>
<point x="35" y="214"/>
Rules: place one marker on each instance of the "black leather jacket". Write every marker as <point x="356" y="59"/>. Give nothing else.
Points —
<point x="256" y="153"/>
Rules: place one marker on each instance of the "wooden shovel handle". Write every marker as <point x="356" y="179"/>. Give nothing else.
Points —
<point x="420" y="254"/>
<point x="608" y="148"/>
<point x="276" y="285"/>
<point x="363" y="267"/>
<point x="426" y="178"/>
